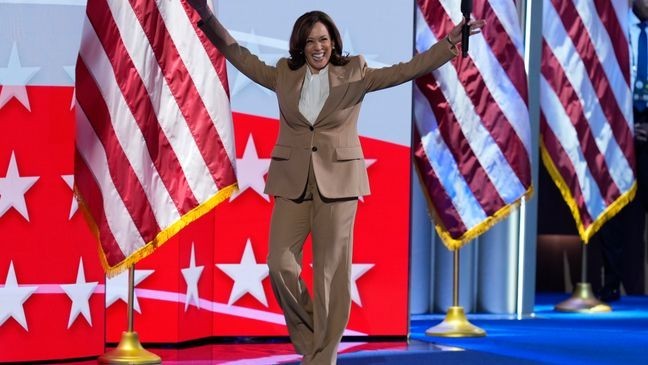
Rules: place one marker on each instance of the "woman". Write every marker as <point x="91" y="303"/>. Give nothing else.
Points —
<point x="317" y="170"/>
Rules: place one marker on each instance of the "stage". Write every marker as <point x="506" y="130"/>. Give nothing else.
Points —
<point x="547" y="337"/>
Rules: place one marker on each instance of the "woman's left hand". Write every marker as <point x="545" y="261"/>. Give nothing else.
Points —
<point x="475" y="27"/>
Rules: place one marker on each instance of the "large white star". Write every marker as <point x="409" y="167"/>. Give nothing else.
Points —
<point x="250" y="171"/>
<point x="240" y="80"/>
<point x="69" y="180"/>
<point x="13" y="188"/>
<point x="14" y="77"/>
<point x="71" y="72"/>
<point x="368" y="162"/>
<point x="12" y="298"/>
<point x="117" y="287"/>
<point x="80" y="293"/>
<point x="348" y="48"/>
<point x="248" y="276"/>
<point x="192" y="275"/>
<point x="357" y="270"/>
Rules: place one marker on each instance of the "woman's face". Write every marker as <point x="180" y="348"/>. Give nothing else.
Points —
<point x="318" y="47"/>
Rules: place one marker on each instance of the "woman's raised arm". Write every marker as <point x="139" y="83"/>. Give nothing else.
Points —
<point x="240" y="57"/>
<point x="424" y="62"/>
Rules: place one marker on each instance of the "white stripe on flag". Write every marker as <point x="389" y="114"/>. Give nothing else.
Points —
<point x="118" y="218"/>
<point x="565" y="133"/>
<point x="444" y="164"/>
<point x="481" y="142"/>
<point x="497" y="81"/>
<point x="508" y="17"/>
<point x="502" y="89"/>
<point x="202" y="72"/>
<point x="621" y="11"/>
<point x="126" y="129"/>
<point x="601" y="41"/>
<point x="558" y="40"/>
<point x="167" y="111"/>
<point x="451" y="8"/>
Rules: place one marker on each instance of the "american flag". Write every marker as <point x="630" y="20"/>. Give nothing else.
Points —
<point x="472" y="144"/>
<point x="586" y="104"/>
<point x="154" y="139"/>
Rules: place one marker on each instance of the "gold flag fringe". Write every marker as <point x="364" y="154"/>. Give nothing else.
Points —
<point x="456" y="243"/>
<point x="585" y="233"/>
<point x="161" y="238"/>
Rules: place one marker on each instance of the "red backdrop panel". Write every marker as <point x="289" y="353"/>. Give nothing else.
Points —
<point x="45" y="250"/>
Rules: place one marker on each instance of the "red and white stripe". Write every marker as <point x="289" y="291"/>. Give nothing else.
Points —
<point x="154" y="126"/>
<point x="472" y="141"/>
<point x="586" y="104"/>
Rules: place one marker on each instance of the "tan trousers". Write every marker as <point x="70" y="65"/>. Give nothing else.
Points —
<point x="315" y="325"/>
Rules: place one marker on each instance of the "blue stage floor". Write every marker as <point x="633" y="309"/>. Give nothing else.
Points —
<point x="548" y="337"/>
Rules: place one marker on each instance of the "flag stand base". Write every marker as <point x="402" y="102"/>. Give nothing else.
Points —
<point x="455" y="324"/>
<point x="129" y="351"/>
<point x="583" y="301"/>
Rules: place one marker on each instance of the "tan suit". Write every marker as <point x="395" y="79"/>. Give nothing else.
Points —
<point x="316" y="174"/>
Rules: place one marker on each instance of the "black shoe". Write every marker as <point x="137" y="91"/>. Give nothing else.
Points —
<point x="609" y="294"/>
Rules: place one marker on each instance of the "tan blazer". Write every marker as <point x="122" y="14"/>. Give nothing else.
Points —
<point x="331" y="143"/>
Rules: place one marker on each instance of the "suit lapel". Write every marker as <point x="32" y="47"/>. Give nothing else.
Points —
<point x="337" y="89"/>
<point x="296" y="81"/>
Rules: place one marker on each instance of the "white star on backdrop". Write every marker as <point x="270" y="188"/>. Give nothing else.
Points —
<point x="192" y="275"/>
<point x="117" y="287"/>
<point x="70" y="71"/>
<point x="368" y="162"/>
<point x="13" y="188"/>
<point x="348" y="48"/>
<point x="248" y="276"/>
<point x="12" y="298"/>
<point x="357" y="270"/>
<point x="240" y="80"/>
<point x="69" y="180"/>
<point x="250" y="171"/>
<point x="14" y="77"/>
<point x="80" y="293"/>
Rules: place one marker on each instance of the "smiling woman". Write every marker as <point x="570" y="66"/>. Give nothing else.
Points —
<point x="318" y="171"/>
<point x="316" y="40"/>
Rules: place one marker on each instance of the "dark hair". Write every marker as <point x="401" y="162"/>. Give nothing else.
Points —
<point x="302" y="28"/>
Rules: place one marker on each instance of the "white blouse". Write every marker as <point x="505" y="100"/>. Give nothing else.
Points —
<point x="314" y="92"/>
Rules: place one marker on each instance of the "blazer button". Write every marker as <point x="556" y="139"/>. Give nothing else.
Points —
<point x="311" y="128"/>
<point x="314" y="149"/>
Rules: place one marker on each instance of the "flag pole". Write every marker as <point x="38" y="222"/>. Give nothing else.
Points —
<point x="455" y="323"/>
<point x="130" y="350"/>
<point x="583" y="299"/>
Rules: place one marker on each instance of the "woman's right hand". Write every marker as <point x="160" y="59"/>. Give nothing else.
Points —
<point x="455" y="36"/>
<point x="200" y="6"/>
